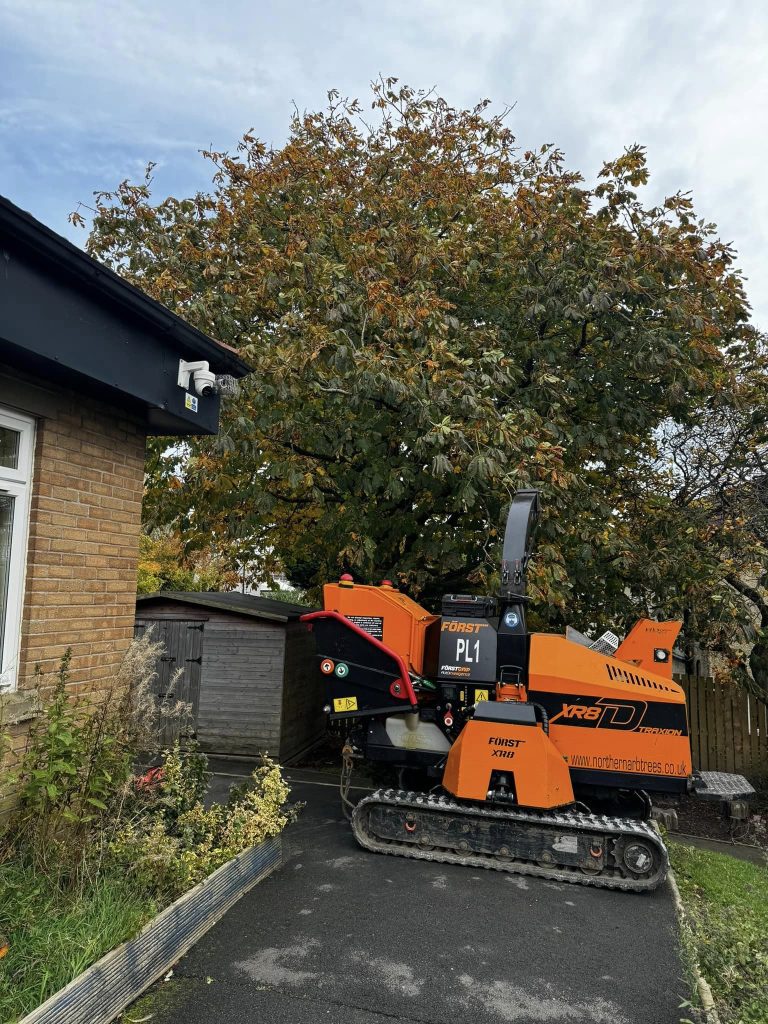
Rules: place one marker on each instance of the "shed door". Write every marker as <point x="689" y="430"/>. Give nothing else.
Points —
<point x="178" y="669"/>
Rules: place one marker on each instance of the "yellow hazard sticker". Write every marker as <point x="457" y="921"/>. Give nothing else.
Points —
<point x="481" y="695"/>
<point x="345" y="704"/>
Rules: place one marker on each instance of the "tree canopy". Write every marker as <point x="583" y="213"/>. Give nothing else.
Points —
<point x="436" y="318"/>
<point x="164" y="564"/>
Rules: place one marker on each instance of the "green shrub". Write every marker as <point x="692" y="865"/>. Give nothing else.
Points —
<point x="73" y="766"/>
<point x="75" y="774"/>
<point x="183" y="781"/>
<point x="174" y="841"/>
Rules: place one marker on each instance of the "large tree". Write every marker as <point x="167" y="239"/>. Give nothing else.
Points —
<point x="435" y="319"/>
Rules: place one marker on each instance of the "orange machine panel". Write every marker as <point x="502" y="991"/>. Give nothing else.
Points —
<point x="649" y="646"/>
<point x="608" y="716"/>
<point x="541" y="777"/>
<point x="390" y="616"/>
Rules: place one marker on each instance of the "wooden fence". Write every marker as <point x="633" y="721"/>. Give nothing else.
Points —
<point x="728" y="726"/>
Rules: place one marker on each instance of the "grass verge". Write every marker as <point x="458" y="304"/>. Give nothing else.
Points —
<point x="54" y="934"/>
<point x="726" y="902"/>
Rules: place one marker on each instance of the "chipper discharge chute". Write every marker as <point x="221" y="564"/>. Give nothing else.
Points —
<point x="542" y="750"/>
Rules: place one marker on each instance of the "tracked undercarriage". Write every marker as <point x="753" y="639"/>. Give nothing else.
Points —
<point x="563" y="846"/>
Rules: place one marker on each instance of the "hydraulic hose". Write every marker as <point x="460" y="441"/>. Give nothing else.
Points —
<point x="543" y="717"/>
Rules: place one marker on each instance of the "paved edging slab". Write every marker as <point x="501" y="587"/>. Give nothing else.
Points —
<point x="99" y="994"/>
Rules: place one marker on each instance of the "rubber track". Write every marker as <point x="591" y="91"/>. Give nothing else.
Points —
<point x="611" y="828"/>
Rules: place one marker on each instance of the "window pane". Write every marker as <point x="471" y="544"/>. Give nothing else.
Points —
<point x="9" y="447"/>
<point x="6" y="532"/>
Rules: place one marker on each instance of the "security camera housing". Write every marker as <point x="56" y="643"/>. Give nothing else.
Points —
<point x="205" y="382"/>
<point x="200" y="372"/>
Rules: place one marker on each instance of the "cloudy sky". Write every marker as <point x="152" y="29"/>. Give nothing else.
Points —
<point x="91" y="90"/>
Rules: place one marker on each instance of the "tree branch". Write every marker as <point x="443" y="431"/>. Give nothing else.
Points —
<point x="752" y="595"/>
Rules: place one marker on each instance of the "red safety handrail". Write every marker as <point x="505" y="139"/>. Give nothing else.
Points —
<point x="404" y="676"/>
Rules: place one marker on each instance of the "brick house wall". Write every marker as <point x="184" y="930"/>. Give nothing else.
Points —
<point x="96" y="366"/>
<point x="84" y="526"/>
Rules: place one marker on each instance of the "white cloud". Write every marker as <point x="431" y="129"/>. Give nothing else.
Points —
<point x="94" y="89"/>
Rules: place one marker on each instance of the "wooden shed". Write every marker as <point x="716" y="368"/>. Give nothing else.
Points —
<point x="248" y="670"/>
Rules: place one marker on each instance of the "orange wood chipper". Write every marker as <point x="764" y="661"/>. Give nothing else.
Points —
<point x="541" y="751"/>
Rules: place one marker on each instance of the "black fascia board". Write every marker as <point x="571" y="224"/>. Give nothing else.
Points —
<point x="59" y="251"/>
<point x="65" y="316"/>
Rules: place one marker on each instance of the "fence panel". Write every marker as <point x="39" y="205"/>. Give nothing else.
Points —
<point x="754" y="732"/>
<point x="729" y="739"/>
<point x="740" y="729"/>
<point x="761" y="714"/>
<point x="694" y="726"/>
<point x="713" y="747"/>
<point x="728" y="727"/>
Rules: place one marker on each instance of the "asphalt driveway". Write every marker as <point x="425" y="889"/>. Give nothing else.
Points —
<point x="349" y="937"/>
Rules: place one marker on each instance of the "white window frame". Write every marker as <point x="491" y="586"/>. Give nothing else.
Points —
<point x="18" y="484"/>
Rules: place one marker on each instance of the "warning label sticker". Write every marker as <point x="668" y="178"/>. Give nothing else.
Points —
<point x="373" y="624"/>
<point x="345" y="704"/>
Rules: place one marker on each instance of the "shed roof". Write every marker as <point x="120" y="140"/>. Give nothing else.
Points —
<point x="231" y="601"/>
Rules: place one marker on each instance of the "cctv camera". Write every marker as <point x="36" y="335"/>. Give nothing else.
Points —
<point x="200" y="373"/>
<point x="205" y="382"/>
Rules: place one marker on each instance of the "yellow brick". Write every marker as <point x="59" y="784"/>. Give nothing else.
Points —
<point x="83" y="548"/>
